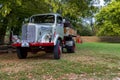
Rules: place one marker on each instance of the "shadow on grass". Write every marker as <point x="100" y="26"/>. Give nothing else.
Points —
<point x="47" y="56"/>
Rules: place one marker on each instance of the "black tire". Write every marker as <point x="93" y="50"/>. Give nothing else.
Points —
<point x="57" y="50"/>
<point x="21" y="53"/>
<point x="71" y="49"/>
<point x="63" y="50"/>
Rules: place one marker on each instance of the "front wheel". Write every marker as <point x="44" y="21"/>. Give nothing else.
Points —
<point x="21" y="53"/>
<point x="57" y="50"/>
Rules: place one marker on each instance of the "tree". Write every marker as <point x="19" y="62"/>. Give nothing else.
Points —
<point x="13" y="12"/>
<point x="4" y="12"/>
<point x="70" y="9"/>
<point x="107" y="20"/>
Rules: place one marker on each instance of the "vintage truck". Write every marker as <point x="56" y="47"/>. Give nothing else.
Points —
<point x="44" y="32"/>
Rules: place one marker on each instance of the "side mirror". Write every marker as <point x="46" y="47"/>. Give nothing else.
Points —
<point x="26" y="20"/>
<point x="64" y="20"/>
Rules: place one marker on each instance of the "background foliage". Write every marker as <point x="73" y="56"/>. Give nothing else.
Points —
<point x="13" y="13"/>
<point x="108" y="20"/>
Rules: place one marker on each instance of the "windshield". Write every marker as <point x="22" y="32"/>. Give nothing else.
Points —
<point x="43" y="19"/>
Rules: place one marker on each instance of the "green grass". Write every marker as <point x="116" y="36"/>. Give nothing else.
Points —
<point x="105" y="50"/>
<point x="91" y="60"/>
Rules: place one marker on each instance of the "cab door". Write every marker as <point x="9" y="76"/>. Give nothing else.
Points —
<point x="59" y="27"/>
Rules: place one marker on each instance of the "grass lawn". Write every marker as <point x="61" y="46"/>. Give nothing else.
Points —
<point x="92" y="61"/>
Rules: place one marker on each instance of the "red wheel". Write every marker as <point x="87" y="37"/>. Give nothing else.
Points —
<point x="57" y="50"/>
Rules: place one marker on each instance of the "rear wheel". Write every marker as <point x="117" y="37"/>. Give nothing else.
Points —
<point x="71" y="49"/>
<point x="21" y="53"/>
<point x="57" y="50"/>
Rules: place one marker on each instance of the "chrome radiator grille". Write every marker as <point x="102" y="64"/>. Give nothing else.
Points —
<point x="28" y="33"/>
<point x="24" y="32"/>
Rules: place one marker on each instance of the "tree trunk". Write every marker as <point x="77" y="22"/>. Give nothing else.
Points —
<point x="2" y="35"/>
<point x="2" y="39"/>
<point x="3" y="28"/>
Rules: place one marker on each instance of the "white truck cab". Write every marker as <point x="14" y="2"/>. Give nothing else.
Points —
<point x="42" y="27"/>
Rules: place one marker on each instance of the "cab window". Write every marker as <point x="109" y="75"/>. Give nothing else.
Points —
<point x="59" y="20"/>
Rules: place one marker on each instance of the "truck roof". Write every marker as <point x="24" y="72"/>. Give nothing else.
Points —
<point x="47" y="14"/>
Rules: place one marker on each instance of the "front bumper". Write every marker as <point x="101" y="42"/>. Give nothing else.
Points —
<point x="33" y="44"/>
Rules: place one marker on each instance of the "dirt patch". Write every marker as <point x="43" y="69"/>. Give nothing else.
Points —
<point x="16" y="68"/>
<point x="7" y="49"/>
<point x="85" y="59"/>
<point x="11" y="64"/>
<point x="73" y="76"/>
<point x="113" y="39"/>
<point x="90" y="39"/>
<point x="70" y="76"/>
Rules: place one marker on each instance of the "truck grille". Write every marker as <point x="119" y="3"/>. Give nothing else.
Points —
<point x="28" y="33"/>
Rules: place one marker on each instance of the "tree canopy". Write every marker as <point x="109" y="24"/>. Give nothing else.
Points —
<point x="107" y="20"/>
<point x="13" y="12"/>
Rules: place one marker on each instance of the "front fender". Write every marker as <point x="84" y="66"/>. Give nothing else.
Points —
<point x="55" y="39"/>
<point x="43" y="38"/>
